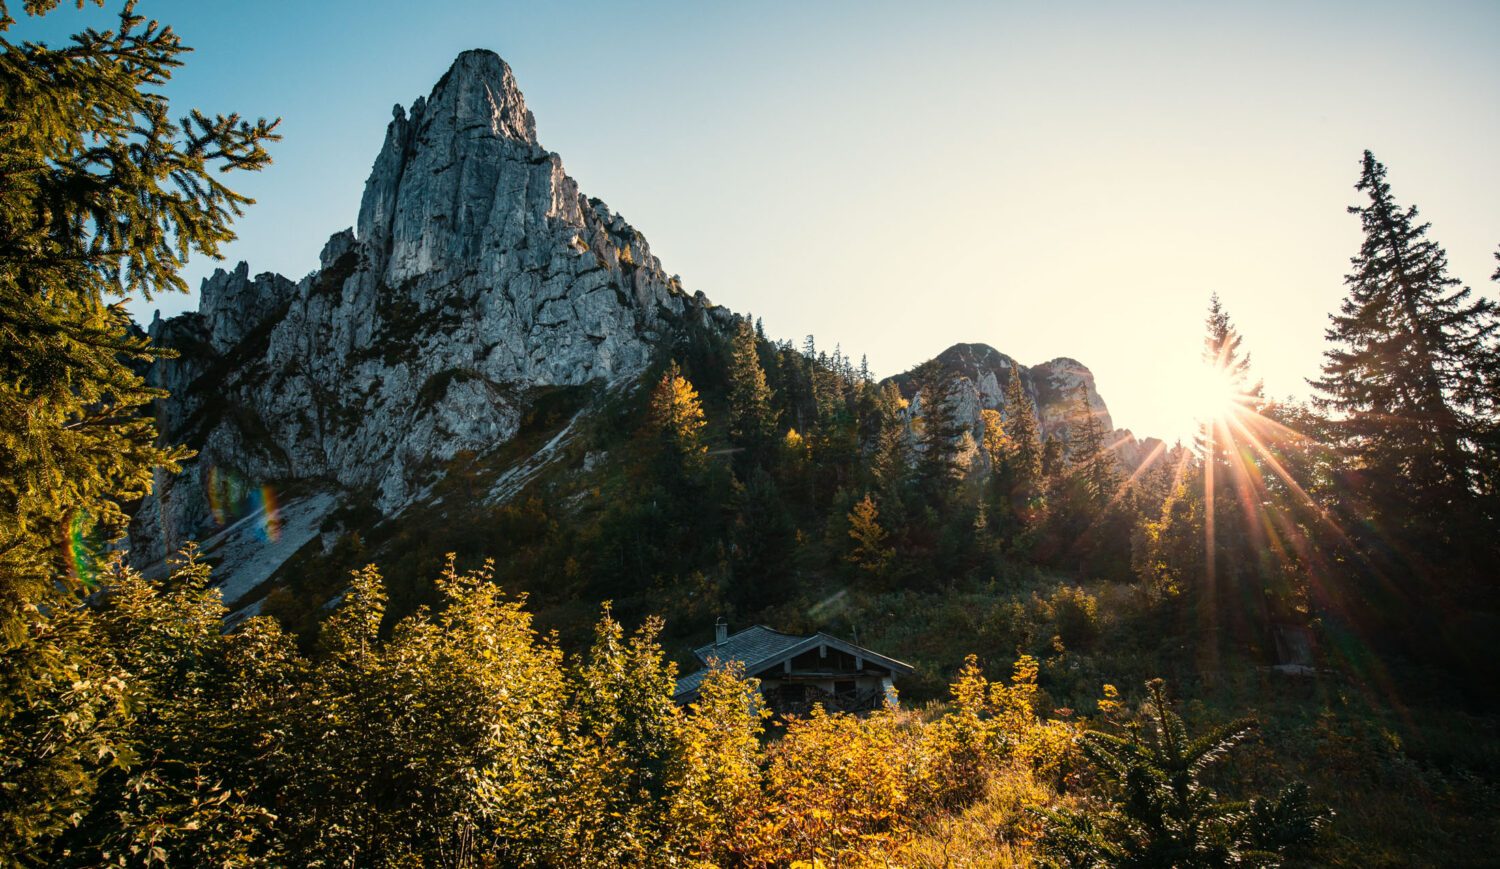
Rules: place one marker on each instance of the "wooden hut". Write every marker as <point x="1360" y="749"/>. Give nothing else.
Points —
<point x="798" y="672"/>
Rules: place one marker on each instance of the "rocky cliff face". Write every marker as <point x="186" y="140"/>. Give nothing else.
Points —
<point x="980" y="373"/>
<point x="478" y="273"/>
<point x="477" y="279"/>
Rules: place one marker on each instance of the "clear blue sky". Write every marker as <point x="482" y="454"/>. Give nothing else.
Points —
<point x="1052" y="179"/>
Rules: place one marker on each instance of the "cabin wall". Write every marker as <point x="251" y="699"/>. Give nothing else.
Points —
<point x="796" y="692"/>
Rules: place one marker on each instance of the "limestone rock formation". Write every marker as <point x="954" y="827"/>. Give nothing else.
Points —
<point x="477" y="274"/>
<point x="980" y="373"/>
<point x="476" y="279"/>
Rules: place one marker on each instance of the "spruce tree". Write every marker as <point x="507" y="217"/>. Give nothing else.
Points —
<point x="939" y="431"/>
<point x="1093" y="463"/>
<point x="751" y="421"/>
<point x="105" y="197"/>
<point x="891" y="464"/>
<point x="1222" y="353"/>
<point x="1024" y="435"/>
<point x="1488" y="471"/>
<point x="870" y="551"/>
<point x="1235" y="566"/>
<point x="1229" y="369"/>
<point x="1087" y="524"/>
<point x="1054" y="455"/>
<point x="1162" y="813"/>
<point x="1412" y="351"/>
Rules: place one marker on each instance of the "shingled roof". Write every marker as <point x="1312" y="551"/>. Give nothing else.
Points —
<point x="753" y="644"/>
<point x="749" y="647"/>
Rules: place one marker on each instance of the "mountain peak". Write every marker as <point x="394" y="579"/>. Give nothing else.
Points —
<point x="478" y="276"/>
<point x="479" y="92"/>
<point x="980" y="374"/>
<point x="444" y="154"/>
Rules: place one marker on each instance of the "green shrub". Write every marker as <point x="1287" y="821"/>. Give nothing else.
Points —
<point x="1160" y="813"/>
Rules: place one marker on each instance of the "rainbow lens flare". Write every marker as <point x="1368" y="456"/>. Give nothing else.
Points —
<point x="231" y="499"/>
<point x="270" y="516"/>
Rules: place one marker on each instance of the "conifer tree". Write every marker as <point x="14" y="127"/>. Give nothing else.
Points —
<point x="1087" y="523"/>
<point x="937" y="464"/>
<point x="1229" y="369"/>
<point x="676" y="415"/>
<point x="1237" y="570"/>
<point x="1413" y="354"/>
<point x="891" y="465"/>
<point x="1054" y="458"/>
<point x="1163" y="814"/>
<point x="751" y="421"/>
<point x="870" y="553"/>
<point x="104" y="197"/>
<point x="1093" y="464"/>
<point x="1024" y="435"/>
<point x="1221" y="349"/>
<point x="996" y="443"/>
<point x="764" y="536"/>
<point x="1488" y="471"/>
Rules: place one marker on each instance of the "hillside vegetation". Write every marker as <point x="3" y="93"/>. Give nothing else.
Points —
<point x="1271" y="646"/>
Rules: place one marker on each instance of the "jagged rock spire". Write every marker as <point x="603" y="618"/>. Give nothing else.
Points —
<point x="478" y="273"/>
<point x="479" y="93"/>
<point x="461" y="175"/>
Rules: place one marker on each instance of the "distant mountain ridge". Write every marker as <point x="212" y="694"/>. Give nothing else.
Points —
<point x="477" y="278"/>
<point x="981" y="372"/>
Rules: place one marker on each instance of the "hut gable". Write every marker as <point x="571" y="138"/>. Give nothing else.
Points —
<point x="797" y="672"/>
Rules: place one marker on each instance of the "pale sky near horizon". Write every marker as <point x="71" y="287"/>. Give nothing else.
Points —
<point x="1050" y="179"/>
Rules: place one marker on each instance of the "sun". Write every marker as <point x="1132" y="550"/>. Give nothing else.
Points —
<point x="1210" y="395"/>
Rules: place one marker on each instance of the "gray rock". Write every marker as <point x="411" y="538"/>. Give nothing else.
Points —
<point x="980" y="374"/>
<point x="476" y="272"/>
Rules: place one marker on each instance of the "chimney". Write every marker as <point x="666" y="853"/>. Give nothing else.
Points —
<point x="721" y="631"/>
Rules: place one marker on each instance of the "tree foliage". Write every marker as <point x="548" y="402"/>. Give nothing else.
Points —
<point x="870" y="552"/>
<point x="1412" y="363"/>
<point x="1162" y="814"/>
<point x="751" y="421"/>
<point x="105" y="197"/>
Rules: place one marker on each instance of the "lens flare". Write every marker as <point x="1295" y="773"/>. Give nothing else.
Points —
<point x="231" y="499"/>
<point x="226" y="495"/>
<point x="270" y="515"/>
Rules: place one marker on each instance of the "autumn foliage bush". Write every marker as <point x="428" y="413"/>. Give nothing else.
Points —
<point x="465" y="737"/>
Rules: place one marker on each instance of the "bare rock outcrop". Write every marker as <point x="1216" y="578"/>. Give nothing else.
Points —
<point x="979" y="374"/>
<point x="476" y="274"/>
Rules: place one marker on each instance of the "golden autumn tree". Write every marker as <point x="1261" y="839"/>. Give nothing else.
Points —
<point x="838" y="789"/>
<point x="871" y="552"/>
<point x="675" y="414"/>
<point x="995" y="444"/>
<point x="615" y="807"/>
